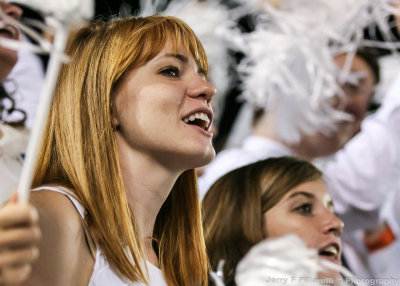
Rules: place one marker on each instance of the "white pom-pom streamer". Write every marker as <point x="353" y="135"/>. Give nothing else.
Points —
<point x="71" y="11"/>
<point x="289" y="65"/>
<point x="291" y="74"/>
<point x="276" y="259"/>
<point x="285" y="261"/>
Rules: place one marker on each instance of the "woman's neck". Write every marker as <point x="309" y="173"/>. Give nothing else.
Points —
<point x="149" y="252"/>
<point x="147" y="184"/>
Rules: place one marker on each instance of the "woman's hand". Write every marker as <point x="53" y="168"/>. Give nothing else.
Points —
<point x="19" y="238"/>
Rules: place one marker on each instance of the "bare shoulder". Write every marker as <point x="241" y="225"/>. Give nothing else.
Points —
<point x="55" y="205"/>
<point x="64" y="258"/>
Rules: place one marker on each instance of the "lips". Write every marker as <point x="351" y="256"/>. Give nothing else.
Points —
<point x="201" y="118"/>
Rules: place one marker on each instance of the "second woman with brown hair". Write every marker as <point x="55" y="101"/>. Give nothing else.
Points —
<point x="269" y="199"/>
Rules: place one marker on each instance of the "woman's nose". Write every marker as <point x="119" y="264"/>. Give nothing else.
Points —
<point x="333" y="224"/>
<point x="202" y="88"/>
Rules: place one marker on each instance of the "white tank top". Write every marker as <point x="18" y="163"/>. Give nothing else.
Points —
<point x="103" y="274"/>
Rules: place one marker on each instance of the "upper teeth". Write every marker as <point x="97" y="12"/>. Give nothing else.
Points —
<point x="198" y="115"/>
<point x="331" y="249"/>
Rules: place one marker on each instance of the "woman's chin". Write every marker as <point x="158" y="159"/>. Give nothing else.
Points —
<point x="330" y="278"/>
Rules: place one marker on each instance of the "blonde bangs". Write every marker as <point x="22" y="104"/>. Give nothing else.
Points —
<point x="184" y="36"/>
<point x="154" y="34"/>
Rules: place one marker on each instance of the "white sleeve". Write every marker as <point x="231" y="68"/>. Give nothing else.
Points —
<point x="228" y="160"/>
<point x="255" y="148"/>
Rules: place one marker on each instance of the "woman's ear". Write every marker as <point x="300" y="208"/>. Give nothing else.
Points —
<point x="114" y="116"/>
<point x="264" y="225"/>
<point x="114" y="123"/>
<point x="117" y="101"/>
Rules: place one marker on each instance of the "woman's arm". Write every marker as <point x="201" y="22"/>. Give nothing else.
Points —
<point x="65" y="258"/>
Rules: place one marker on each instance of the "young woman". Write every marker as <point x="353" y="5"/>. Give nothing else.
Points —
<point x="19" y="230"/>
<point x="115" y="183"/>
<point x="269" y="199"/>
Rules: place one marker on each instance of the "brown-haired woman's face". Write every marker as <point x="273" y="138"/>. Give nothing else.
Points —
<point x="307" y="211"/>
<point x="8" y="57"/>
<point x="163" y="109"/>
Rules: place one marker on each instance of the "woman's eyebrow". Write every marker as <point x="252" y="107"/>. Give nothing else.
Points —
<point x="184" y="59"/>
<point x="302" y="193"/>
<point x="180" y="57"/>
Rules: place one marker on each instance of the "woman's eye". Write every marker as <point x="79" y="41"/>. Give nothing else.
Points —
<point x="305" y="209"/>
<point x="170" y="71"/>
<point x="351" y="89"/>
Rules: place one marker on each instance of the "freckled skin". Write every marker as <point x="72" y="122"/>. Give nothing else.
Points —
<point x="151" y="105"/>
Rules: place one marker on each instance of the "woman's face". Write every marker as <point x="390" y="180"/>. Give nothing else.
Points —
<point x="307" y="211"/>
<point x="8" y="58"/>
<point x="358" y="95"/>
<point x="357" y="99"/>
<point x="163" y="110"/>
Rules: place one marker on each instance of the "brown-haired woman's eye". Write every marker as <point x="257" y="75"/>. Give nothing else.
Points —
<point x="305" y="209"/>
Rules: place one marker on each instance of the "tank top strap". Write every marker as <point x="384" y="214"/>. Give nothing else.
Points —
<point x="81" y="210"/>
<point x="68" y="193"/>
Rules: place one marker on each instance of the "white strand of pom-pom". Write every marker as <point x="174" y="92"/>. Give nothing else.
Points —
<point x="290" y="58"/>
<point x="282" y="258"/>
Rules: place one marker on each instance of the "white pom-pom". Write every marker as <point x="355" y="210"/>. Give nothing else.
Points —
<point x="69" y="11"/>
<point x="293" y="75"/>
<point x="285" y="261"/>
<point x="289" y="65"/>
<point x="278" y="262"/>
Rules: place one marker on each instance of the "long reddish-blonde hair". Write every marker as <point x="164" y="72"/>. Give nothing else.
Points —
<point x="79" y="148"/>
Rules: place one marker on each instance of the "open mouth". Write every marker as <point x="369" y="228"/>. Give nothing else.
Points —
<point x="200" y="119"/>
<point x="331" y="251"/>
<point x="8" y="31"/>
